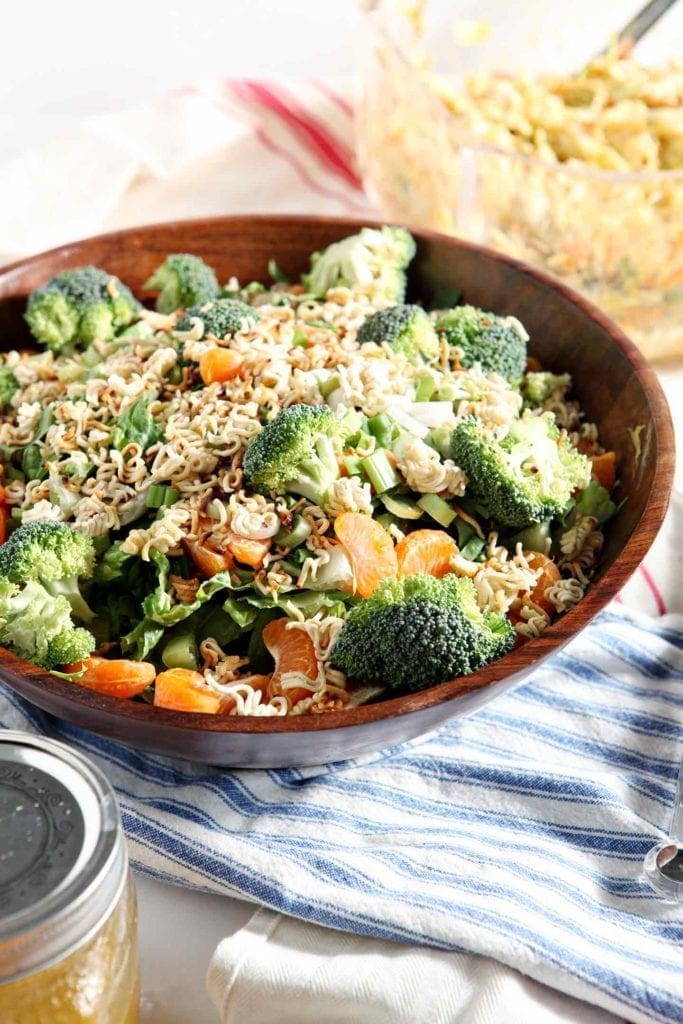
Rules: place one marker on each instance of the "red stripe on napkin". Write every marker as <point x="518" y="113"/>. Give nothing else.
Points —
<point x="332" y="94"/>
<point x="654" y="589"/>
<point x="235" y="87"/>
<point x="329" y="149"/>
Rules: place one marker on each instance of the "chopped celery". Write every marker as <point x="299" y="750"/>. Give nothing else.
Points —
<point x="401" y="506"/>
<point x="159" y="495"/>
<point x="437" y="508"/>
<point x="424" y="388"/>
<point x="353" y="465"/>
<point x="380" y="472"/>
<point x="180" y="652"/>
<point x="296" y="535"/>
<point x="382" y="429"/>
<point x="440" y="440"/>
<point x="299" y="339"/>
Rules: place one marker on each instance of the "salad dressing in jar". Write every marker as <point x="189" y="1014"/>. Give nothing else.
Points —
<point x="68" y="928"/>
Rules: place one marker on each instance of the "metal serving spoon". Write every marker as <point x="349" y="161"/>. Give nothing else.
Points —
<point x="640" y="23"/>
<point x="663" y="864"/>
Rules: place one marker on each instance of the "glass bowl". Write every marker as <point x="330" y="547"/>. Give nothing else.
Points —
<point x="615" y="236"/>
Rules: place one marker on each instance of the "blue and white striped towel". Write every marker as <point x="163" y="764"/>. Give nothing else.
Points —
<point x="518" y="833"/>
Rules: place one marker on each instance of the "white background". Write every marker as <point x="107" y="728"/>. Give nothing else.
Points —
<point x="62" y="60"/>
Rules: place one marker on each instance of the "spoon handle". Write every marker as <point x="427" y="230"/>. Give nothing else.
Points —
<point x="643" y="21"/>
<point x="663" y="864"/>
<point x="676" y="830"/>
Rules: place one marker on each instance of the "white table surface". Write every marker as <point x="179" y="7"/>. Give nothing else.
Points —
<point x="179" y="931"/>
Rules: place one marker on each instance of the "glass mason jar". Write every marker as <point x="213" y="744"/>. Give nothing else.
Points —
<point x="68" y="928"/>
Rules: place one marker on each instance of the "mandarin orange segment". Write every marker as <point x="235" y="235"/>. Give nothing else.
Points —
<point x="207" y="561"/>
<point x="427" y="551"/>
<point x="604" y="469"/>
<point x="113" y="677"/>
<point x="217" y="365"/>
<point x="182" y="689"/>
<point x="370" y="550"/>
<point x="549" y="576"/>
<point x="248" y="551"/>
<point x="293" y="651"/>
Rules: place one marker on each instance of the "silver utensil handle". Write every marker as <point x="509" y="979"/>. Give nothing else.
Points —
<point x="676" y="832"/>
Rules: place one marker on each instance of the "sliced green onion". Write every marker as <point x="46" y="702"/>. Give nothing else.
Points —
<point x="473" y="548"/>
<point x="181" y="652"/>
<point x="379" y="471"/>
<point x="326" y="387"/>
<point x="533" y="538"/>
<point x="401" y="506"/>
<point x="32" y="464"/>
<point x="437" y="508"/>
<point x="449" y="392"/>
<point x="277" y="274"/>
<point x="299" y="339"/>
<point x="101" y="543"/>
<point x="295" y="536"/>
<point x="386" y="520"/>
<point x="90" y="357"/>
<point x="465" y="532"/>
<point x="323" y="325"/>
<point x="425" y="388"/>
<point x="159" y="495"/>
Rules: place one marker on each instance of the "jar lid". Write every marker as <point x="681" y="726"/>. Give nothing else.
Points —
<point x="62" y="853"/>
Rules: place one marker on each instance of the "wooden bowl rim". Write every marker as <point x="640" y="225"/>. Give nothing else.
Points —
<point x="518" y="661"/>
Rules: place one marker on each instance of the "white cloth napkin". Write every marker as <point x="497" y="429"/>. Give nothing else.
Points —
<point x="277" y="970"/>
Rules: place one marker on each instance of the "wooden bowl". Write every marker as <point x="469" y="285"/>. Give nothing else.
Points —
<point x="616" y="387"/>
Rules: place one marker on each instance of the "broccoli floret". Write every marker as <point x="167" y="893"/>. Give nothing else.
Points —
<point x="497" y="343"/>
<point x="69" y="646"/>
<point x="183" y="280"/>
<point x="295" y="453"/>
<point x="8" y="385"/>
<point x="406" y="328"/>
<point x="527" y="476"/>
<point x="37" y="626"/>
<point x="374" y="259"/>
<point x="80" y="306"/>
<point x="54" y="555"/>
<point x="537" y="388"/>
<point x="418" y="632"/>
<point x="220" y="318"/>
